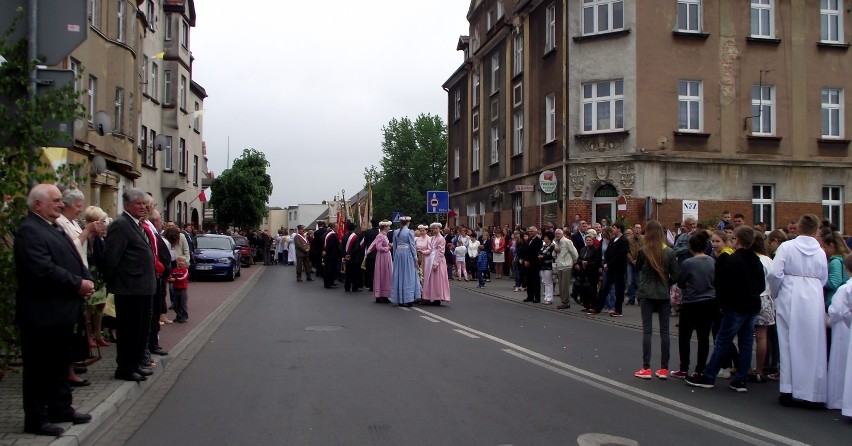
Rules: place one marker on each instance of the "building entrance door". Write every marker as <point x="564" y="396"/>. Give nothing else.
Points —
<point x="603" y="203"/>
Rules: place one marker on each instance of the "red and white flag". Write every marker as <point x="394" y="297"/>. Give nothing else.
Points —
<point x="205" y="195"/>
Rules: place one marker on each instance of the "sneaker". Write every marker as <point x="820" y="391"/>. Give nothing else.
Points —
<point x="662" y="373"/>
<point x="773" y="376"/>
<point x="700" y="381"/>
<point x="644" y="374"/>
<point x="678" y="374"/>
<point x="738" y="386"/>
<point x="724" y="374"/>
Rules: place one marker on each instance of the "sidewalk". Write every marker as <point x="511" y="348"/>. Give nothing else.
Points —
<point x="106" y="398"/>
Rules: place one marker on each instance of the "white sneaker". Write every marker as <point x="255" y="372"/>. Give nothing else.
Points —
<point x="724" y="374"/>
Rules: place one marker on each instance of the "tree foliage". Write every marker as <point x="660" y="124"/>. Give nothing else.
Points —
<point x="240" y="194"/>
<point x="414" y="162"/>
<point x="22" y="134"/>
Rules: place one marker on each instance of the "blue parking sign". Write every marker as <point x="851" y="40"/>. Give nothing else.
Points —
<point x="437" y="202"/>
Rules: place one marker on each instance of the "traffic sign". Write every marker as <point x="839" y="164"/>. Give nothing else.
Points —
<point x="395" y="215"/>
<point x="62" y="26"/>
<point x="437" y="202"/>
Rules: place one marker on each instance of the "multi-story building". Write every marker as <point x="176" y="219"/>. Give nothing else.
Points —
<point x="605" y="109"/>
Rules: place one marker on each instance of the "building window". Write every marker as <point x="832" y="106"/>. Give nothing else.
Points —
<point x="550" y="118"/>
<point x="195" y="170"/>
<point x="167" y="86"/>
<point x="144" y="74"/>
<point x="689" y="106"/>
<point x="603" y="106"/>
<point x="500" y="11"/>
<point x="471" y="215"/>
<point x="94" y="13"/>
<point x="550" y="28"/>
<point x="495" y="144"/>
<point x="601" y="16"/>
<point x="517" y="94"/>
<point x="149" y="13"/>
<point x="74" y="66"/>
<point x="168" y="27"/>
<point x="93" y="91"/>
<point x="518" y="53"/>
<point x="518" y="133"/>
<point x="832" y="113"/>
<point x="475" y="89"/>
<point x="475" y="160"/>
<point x="457" y="105"/>
<point x="832" y="205"/>
<point x="689" y="15"/>
<point x="182" y="159"/>
<point x="482" y="212"/>
<point x="475" y="123"/>
<point x="495" y="109"/>
<point x="184" y="34"/>
<point x="143" y="144"/>
<point x="831" y="21"/>
<point x="118" y="125"/>
<point x="763" y="110"/>
<point x="167" y="155"/>
<point x="495" y="73"/>
<point x="120" y="35"/>
<point x="196" y="117"/>
<point x="182" y="92"/>
<point x="489" y="19"/>
<point x="763" y="204"/>
<point x="763" y="18"/>
<point x="456" y="161"/>
<point x="152" y="151"/>
<point x="154" y="79"/>
<point x="517" y="207"/>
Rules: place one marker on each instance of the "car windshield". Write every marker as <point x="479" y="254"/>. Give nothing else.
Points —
<point x="213" y="243"/>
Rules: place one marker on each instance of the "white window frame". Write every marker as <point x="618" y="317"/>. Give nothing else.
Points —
<point x="149" y="13"/>
<point x="457" y="104"/>
<point x="120" y="16"/>
<point x="471" y="215"/>
<point x="763" y="110"/>
<point x="832" y="102"/>
<point x="517" y="94"/>
<point x="500" y="10"/>
<point x="74" y="66"/>
<point x="196" y="120"/>
<point x="93" y="14"/>
<point x="690" y="105"/>
<point x="475" y="158"/>
<point x="482" y="212"/>
<point x="167" y="155"/>
<point x="831" y="21"/>
<point x="593" y="100"/>
<point x="182" y="92"/>
<point x="762" y="15"/>
<point x="167" y="86"/>
<point x="518" y="132"/>
<point x="184" y="34"/>
<point x="761" y="203"/>
<point x="489" y="19"/>
<point x="518" y="53"/>
<point x="550" y="118"/>
<point x="152" y="150"/>
<point x="475" y="89"/>
<point x="118" y="125"/>
<point x="182" y="159"/>
<point x="550" y="28"/>
<point x="168" y="27"/>
<point x="592" y="9"/>
<point x="144" y="74"/>
<point x="143" y="144"/>
<point x="195" y="170"/>
<point x="154" y="79"/>
<point x="832" y="205"/>
<point x="495" y="73"/>
<point x="92" y="93"/>
<point x="689" y="16"/>
<point x="475" y="120"/>
<point x="456" y="162"/>
<point x="517" y="207"/>
<point x="495" y="144"/>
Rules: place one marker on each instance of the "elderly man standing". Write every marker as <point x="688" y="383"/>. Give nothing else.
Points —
<point x="130" y="275"/>
<point x="798" y="273"/>
<point x="566" y="255"/>
<point x="52" y="285"/>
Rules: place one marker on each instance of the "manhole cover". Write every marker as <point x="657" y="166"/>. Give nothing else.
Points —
<point x="324" y="328"/>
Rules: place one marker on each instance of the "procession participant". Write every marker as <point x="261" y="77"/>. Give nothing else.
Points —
<point x="421" y="242"/>
<point x="498" y="246"/>
<point x="53" y="283"/>
<point x="799" y="271"/>
<point x="383" y="269"/>
<point x="330" y="256"/>
<point x="405" y="286"/>
<point x="840" y="317"/>
<point x="532" y="265"/>
<point x="566" y="255"/>
<point x="281" y="247"/>
<point x="370" y="255"/>
<point x="352" y="257"/>
<point x="302" y="249"/>
<point x="317" y="248"/>
<point x="291" y="248"/>
<point x="436" y="284"/>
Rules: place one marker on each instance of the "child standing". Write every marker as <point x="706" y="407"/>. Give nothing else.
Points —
<point x="461" y="253"/>
<point x="481" y="267"/>
<point x="179" y="281"/>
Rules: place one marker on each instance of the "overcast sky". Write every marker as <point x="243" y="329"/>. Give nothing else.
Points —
<point x="311" y="84"/>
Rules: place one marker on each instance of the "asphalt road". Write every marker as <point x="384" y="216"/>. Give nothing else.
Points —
<point x="296" y="364"/>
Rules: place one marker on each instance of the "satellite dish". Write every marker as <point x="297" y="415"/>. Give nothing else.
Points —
<point x="161" y="141"/>
<point x="102" y="122"/>
<point x="98" y="164"/>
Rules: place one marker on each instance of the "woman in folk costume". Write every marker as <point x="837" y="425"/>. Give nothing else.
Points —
<point x="436" y="283"/>
<point x="840" y="359"/>
<point x="405" y="285"/>
<point x="383" y="271"/>
<point x="422" y="243"/>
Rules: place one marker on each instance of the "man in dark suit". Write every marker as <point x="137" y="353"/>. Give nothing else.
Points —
<point x="158" y="301"/>
<point x="367" y="239"/>
<point x="330" y="256"/>
<point x="353" y="255"/>
<point x="579" y="237"/>
<point x="52" y="285"/>
<point x="615" y="266"/>
<point x="130" y="275"/>
<point x="317" y="247"/>
<point x="532" y="265"/>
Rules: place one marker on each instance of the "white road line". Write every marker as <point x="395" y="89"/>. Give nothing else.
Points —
<point x="619" y="389"/>
<point x="430" y="319"/>
<point x="470" y="335"/>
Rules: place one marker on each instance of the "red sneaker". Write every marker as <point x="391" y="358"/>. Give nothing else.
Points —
<point x="662" y="373"/>
<point x="643" y="373"/>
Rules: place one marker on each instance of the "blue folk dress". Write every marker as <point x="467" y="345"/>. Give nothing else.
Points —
<point x="405" y="285"/>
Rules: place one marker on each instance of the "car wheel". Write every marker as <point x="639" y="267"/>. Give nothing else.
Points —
<point x="239" y="271"/>
<point x="233" y="274"/>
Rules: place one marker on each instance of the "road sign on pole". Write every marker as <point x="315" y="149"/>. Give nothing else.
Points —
<point x="62" y="25"/>
<point x="437" y="202"/>
<point x="395" y="215"/>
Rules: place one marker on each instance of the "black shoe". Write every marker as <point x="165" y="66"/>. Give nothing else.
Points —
<point x="536" y="301"/>
<point x="144" y="371"/>
<point x="73" y="417"/>
<point x="310" y="280"/>
<point x="409" y="305"/>
<point x="528" y="300"/>
<point x="79" y="369"/>
<point x="48" y="429"/>
<point x="563" y="306"/>
<point x="699" y="381"/>
<point x="82" y="383"/>
<point x="132" y="376"/>
<point x="738" y="386"/>
<point x="159" y="351"/>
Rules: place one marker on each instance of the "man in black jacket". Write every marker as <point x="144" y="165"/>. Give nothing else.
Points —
<point x="615" y="266"/>
<point x="531" y="263"/>
<point x="353" y="255"/>
<point x="330" y="256"/>
<point x="366" y="241"/>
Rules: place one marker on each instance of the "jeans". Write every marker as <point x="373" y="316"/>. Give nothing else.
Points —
<point x="733" y="324"/>
<point x="547" y="279"/>
<point x="611" y="282"/>
<point x="663" y="308"/>
<point x="632" y="282"/>
<point x="516" y="270"/>
<point x="480" y="275"/>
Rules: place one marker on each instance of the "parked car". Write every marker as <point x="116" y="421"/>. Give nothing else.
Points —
<point x="246" y="250"/>
<point x="216" y="256"/>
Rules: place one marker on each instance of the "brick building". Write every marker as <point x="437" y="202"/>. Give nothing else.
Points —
<point x="738" y="105"/>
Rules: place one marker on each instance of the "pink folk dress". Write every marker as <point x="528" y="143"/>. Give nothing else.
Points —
<point x="384" y="267"/>
<point x="422" y="244"/>
<point x="436" y="284"/>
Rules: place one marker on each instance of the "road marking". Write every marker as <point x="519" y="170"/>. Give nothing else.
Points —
<point x="470" y="335"/>
<point x="430" y="319"/>
<point x="658" y="402"/>
<point x="604" y="439"/>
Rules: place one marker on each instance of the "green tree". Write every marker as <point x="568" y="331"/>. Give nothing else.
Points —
<point x="414" y="162"/>
<point x="22" y="132"/>
<point x="240" y="194"/>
